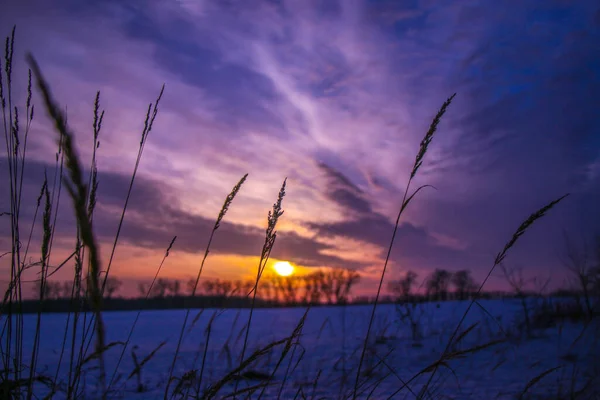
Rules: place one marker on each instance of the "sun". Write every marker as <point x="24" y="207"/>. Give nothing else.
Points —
<point x="283" y="268"/>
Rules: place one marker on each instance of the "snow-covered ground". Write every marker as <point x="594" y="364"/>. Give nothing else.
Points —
<point x="324" y="364"/>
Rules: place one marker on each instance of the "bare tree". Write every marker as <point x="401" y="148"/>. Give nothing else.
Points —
<point x="275" y="290"/>
<point x="581" y="264"/>
<point x="514" y="277"/>
<point x="463" y="283"/>
<point x="309" y="285"/>
<point x="40" y="292"/>
<point x="142" y="289"/>
<point x="189" y="286"/>
<point x="408" y="308"/>
<point x="242" y="288"/>
<point x="67" y="289"/>
<point x="237" y="287"/>
<point x="290" y="286"/>
<point x="287" y="287"/>
<point x="326" y="286"/>
<point x="208" y="287"/>
<point x="52" y="290"/>
<point x="247" y="287"/>
<point x="160" y="288"/>
<point x="333" y="286"/>
<point x="83" y="285"/>
<point x="343" y="280"/>
<point x="402" y="287"/>
<point x="112" y="286"/>
<point x="223" y="287"/>
<point x="175" y="287"/>
<point x="265" y="289"/>
<point x="314" y="288"/>
<point x="437" y="284"/>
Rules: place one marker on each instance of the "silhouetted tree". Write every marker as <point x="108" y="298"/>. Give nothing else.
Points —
<point x="243" y="288"/>
<point x="408" y="308"/>
<point x="463" y="283"/>
<point x="83" y="285"/>
<point x="333" y="286"/>
<point x="142" y="289"/>
<point x="217" y="287"/>
<point x="189" y="286"/>
<point x="208" y="287"/>
<point x="67" y="289"/>
<point x="160" y="288"/>
<point x="223" y="287"/>
<point x="265" y="289"/>
<point x="40" y="292"/>
<point x="175" y="287"/>
<point x="326" y="286"/>
<point x="287" y="287"/>
<point x="247" y="287"/>
<point x="583" y="263"/>
<point x="342" y="282"/>
<point x="437" y="284"/>
<point x="112" y="286"/>
<point x="276" y="291"/>
<point x="514" y="277"/>
<point x="402" y="287"/>
<point x="311" y="288"/>
<point x="238" y="287"/>
<point x="291" y="288"/>
<point x="317" y="280"/>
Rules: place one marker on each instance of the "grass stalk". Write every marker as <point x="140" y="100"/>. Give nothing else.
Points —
<point x="43" y="277"/>
<point x="525" y="225"/>
<point x="137" y="316"/>
<point x="78" y="192"/>
<point x="270" y="236"/>
<point x="405" y="201"/>
<point x="222" y="212"/>
<point x="148" y="123"/>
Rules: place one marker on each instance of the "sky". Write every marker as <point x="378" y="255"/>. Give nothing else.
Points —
<point x="336" y="96"/>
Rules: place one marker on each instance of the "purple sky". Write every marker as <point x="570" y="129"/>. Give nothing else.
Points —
<point x="336" y="96"/>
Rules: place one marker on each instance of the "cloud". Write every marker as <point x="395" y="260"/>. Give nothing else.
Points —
<point x="154" y="217"/>
<point x="366" y="226"/>
<point x="336" y="96"/>
<point x="343" y="192"/>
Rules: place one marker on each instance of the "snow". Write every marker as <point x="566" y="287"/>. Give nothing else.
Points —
<point x="330" y="347"/>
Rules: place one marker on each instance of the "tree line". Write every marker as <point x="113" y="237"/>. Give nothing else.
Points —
<point x="436" y="286"/>
<point x="332" y="286"/>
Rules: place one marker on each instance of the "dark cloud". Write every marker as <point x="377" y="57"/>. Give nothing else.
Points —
<point x="341" y="191"/>
<point x="535" y="74"/>
<point x="523" y="127"/>
<point x="154" y="217"/>
<point x="365" y="225"/>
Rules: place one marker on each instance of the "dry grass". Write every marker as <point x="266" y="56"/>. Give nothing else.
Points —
<point x="222" y="212"/>
<point x="403" y="205"/>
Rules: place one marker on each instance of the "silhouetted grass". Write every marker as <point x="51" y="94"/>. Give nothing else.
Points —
<point x="405" y="202"/>
<point x="222" y="212"/>
<point x="78" y="192"/>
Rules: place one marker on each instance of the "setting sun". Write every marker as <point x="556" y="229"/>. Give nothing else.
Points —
<point x="283" y="268"/>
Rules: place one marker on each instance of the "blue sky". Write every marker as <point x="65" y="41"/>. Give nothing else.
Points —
<point x="336" y="96"/>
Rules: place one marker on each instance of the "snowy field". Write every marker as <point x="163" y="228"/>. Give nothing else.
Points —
<point x="324" y="363"/>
